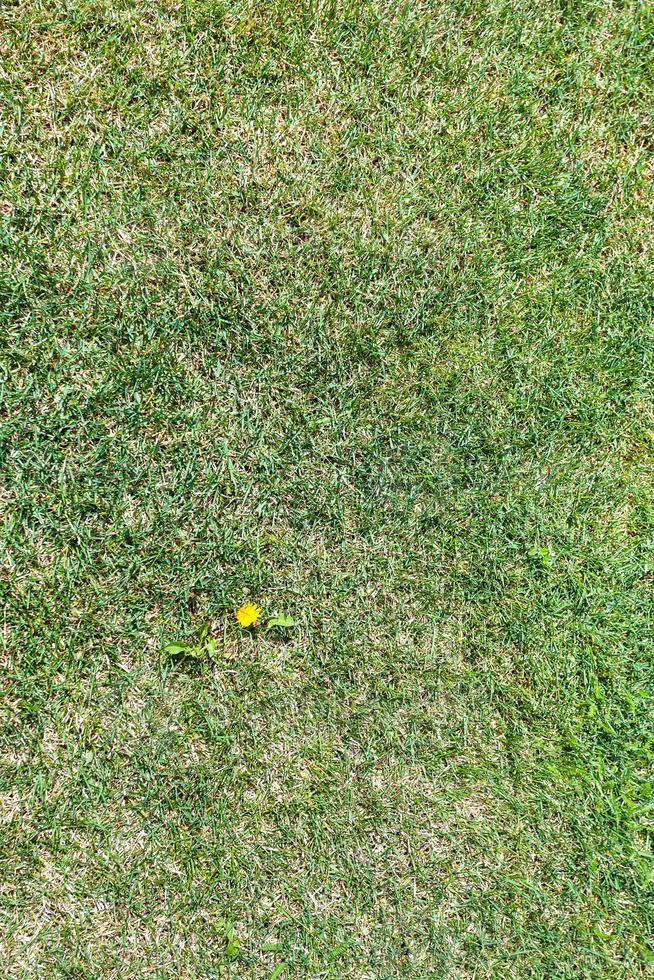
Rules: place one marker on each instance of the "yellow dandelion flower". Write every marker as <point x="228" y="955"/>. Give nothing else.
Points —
<point x="248" y="615"/>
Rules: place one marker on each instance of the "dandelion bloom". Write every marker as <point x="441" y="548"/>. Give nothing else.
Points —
<point x="248" y="615"/>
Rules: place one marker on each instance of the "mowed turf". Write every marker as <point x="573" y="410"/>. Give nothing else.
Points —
<point x="345" y="309"/>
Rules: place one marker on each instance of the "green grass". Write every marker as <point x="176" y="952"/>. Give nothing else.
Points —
<point x="345" y="308"/>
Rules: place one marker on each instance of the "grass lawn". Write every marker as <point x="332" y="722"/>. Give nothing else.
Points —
<point x="343" y="308"/>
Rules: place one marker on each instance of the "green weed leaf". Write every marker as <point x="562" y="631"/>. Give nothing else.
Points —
<point x="282" y="621"/>
<point x="174" y="649"/>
